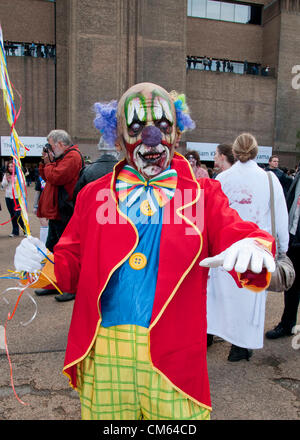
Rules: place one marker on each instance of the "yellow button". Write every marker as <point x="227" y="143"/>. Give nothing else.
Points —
<point x="146" y="208"/>
<point x="137" y="261"/>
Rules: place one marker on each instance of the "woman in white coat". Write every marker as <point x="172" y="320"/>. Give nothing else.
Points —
<point x="237" y="315"/>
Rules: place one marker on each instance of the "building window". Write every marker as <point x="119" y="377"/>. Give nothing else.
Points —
<point x="213" y="10"/>
<point x="36" y="50"/>
<point x="225" y="11"/>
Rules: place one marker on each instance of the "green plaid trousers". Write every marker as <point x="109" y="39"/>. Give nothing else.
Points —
<point x="116" y="381"/>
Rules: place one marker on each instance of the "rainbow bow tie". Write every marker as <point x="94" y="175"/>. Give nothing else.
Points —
<point x="131" y="184"/>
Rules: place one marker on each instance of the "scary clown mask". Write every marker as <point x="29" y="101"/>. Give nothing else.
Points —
<point x="147" y="132"/>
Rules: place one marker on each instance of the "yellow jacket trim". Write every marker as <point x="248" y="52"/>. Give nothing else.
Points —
<point x="177" y="287"/>
<point x="181" y="208"/>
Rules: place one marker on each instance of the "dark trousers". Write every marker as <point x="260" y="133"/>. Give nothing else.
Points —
<point x="15" y="216"/>
<point x="55" y="231"/>
<point x="292" y="296"/>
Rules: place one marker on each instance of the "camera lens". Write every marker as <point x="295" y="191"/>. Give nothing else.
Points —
<point x="46" y="148"/>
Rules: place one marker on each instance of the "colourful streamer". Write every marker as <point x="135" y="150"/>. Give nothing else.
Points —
<point x="12" y="115"/>
<point x="10" y="367"/>
<point x="9" y="318"/>
<point x="18" y="187"/>
<point x="8" y="221"/>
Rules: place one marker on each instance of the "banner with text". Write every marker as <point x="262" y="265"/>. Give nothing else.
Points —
<point x="207" y="151"/>
<point x="35" y="145"/>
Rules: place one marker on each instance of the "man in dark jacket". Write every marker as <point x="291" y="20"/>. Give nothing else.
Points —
<point x="103" y="165"/>
<point x="291" y="296"/>
<point x="284" y="179"/>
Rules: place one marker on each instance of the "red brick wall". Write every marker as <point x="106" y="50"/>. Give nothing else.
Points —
<point x="28" y="20"/>
<point x="224" y="104"/>
<point x="218" y="39"/>
<point x="34" y="78"/>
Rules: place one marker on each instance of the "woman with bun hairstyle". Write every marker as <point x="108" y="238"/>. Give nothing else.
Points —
<point x="237" y="315"/>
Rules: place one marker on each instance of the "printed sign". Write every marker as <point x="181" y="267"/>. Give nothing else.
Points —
<point x="34" y="144"/>
<point x="207" y="151"/>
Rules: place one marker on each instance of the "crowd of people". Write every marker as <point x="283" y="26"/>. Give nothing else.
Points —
<point x="225" y="65"/>
<point x="105" y="256"/>
<point x="246" y="186"/>
<point x="33" y="49"/>
<point x="224" y="158"/>
<point x="54" y="218"/>
<point x="52" y="226"/>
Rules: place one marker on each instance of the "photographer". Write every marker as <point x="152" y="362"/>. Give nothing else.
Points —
<point x="60" y="167"/>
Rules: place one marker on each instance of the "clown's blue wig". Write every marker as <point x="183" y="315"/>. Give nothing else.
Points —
<point x="183" y="119"/>
<point x="106" y="120"/>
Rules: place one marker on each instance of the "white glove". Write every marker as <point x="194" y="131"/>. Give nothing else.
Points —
<point x="242" y="255"/>
<point x="27" y="257"/>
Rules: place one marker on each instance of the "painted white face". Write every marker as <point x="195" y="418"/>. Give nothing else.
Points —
<point x="149" y="129"/>
<point x="149" y="162"/>
<point x="192" y="161"/>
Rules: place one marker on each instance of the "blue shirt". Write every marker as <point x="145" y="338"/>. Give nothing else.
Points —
<point x="129" y="295"/>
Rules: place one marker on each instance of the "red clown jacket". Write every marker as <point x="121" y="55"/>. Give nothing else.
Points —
<point x="198" y="223"/>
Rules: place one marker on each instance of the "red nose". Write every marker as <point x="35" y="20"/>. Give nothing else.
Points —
<point x="151" y="136"/>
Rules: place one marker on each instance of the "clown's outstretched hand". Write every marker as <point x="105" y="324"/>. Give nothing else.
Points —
<point x="246" y="254"/>
<point x="29" y="255"/>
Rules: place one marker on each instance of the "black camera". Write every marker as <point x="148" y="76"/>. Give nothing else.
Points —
<point x="47" y="148"/>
